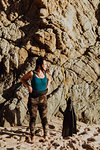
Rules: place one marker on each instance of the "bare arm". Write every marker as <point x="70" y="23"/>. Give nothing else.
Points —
<point x="24" y="79"/>
<point x="48" y="81"/>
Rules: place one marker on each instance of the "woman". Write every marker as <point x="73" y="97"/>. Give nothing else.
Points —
<point x="40" y="81"/>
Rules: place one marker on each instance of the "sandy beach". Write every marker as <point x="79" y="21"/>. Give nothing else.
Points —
<point x="15" y="138"/>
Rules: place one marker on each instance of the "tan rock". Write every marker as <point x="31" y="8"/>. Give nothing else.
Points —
<point x="28" y="45"/>
<point x="3" y="18"/>
<point x="13" y="16"/>
<point x="43" y="12"/>
<point x="22" y="55"/>
<point x="6" y="63"/>
<point x="50" y="28"/>
<point x="99" y="31"/>
<point x="4" y="46"/>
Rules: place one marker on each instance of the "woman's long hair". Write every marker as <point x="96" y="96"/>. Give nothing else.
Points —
<point x="39" y="62"/>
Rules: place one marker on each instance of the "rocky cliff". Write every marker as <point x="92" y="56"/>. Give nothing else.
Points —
<point x="30" y="28"/>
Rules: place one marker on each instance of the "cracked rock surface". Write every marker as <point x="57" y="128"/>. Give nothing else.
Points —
<point x="33" y="28"/>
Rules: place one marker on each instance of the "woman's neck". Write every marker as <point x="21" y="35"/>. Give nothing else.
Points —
<point x="39" y="73"/>
<point x="39" y="70"/>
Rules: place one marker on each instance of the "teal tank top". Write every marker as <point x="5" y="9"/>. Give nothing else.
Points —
<point x="39" y="84"/>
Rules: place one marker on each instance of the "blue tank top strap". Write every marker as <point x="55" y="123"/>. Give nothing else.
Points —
<point x="45" y="74"/>
<point x="33" y="73"/>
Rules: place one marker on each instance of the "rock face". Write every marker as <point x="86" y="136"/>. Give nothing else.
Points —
<point x="48" y="28"/>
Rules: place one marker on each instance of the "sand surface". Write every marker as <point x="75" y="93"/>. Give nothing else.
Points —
<point x="15" y="138"/>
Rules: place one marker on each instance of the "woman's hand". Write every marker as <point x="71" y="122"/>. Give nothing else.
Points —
<point x="30" y="89"/>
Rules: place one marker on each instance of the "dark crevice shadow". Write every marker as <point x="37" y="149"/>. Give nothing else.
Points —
<point x="97" y="14"/>
<point x="9" y="93"/>
<point x="6" y="112"/>
<point x="17" y="132"/>
<point x="4" y="107"/>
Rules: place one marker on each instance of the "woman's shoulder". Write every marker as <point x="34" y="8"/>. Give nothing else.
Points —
<point x="30" y="73"/>
<point x="27" y="76"/>
<point x="47" y="73"/>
